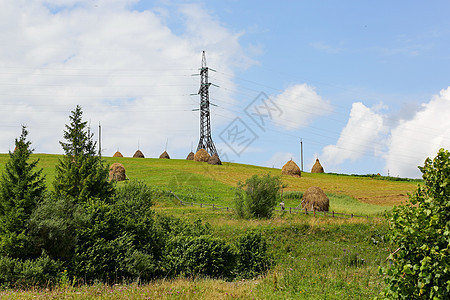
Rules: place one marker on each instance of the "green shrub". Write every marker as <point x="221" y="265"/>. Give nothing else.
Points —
<point x="257" y="197"/>
<point x="421" y="231"/>
<point x="203" y="255"/>
<point x="251" y="255"/>
<point x="53" y="226"/>
<point x="120" y="239"/>
<point x="17" y="273"/>
<point x="136" y="194"/>
<point x="115" y="239"/>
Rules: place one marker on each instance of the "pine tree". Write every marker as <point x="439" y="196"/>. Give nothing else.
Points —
<point x="22" y="187"/>
<point x="81" y="174"/>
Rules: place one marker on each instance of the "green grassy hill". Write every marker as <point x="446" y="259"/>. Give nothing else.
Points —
<point x="216" y="184"/>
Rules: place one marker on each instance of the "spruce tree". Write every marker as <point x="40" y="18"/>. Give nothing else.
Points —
<point x="81" y="174"/>
<point x="22" y="187"/>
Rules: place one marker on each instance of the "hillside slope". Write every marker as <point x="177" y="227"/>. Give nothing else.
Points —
<point x="219" y="181"/>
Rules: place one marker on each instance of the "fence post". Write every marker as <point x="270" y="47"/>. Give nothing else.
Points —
<point x="352" y="216"/>
<point x="306" y="211"/>
<point x="367" y="217"/>
<point x="333" y="213"/>
<point x="227" y="208"/>
<point x="290" y="210"/>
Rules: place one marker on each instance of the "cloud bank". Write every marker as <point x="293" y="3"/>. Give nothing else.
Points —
<point x="403" y="144"/>
<point x="412" y="141"/>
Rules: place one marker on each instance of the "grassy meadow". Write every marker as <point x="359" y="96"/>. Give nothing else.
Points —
<point x="314" y="257"/>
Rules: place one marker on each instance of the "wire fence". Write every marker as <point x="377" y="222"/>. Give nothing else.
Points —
<point x="291" y="210"/>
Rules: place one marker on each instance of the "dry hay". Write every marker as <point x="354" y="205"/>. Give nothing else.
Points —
<point x="315" y="199"/>
<point x="117" y="154"/>
<point x="201" y="155"/>
<point x="317" y="168"/>
<point x="117" y="172"/>
<point x="214" y="160"/>
<point x="164" y="155"/>
<point x="138" y="154"/>
<point x="291" y="168"/>
<point x="190" y="156"/>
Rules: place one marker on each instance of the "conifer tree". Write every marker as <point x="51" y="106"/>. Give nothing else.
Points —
<point x="80" y="173"/>
<point x="22" y="187"/>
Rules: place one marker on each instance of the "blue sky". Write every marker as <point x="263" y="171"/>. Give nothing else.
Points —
<point x="364" y="84"/>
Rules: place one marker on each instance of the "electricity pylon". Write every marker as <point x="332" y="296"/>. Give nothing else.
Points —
<point x="205" y="141"/>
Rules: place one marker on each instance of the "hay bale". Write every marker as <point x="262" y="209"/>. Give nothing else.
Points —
<point x="138" y="154"/>
<point x="190" y="156"/>
<point x="201" y="155"/>
<point x="117" y="154"/>
<point x="291" y="169"/>
<point x="165" y="155"/>
<point x="214" y="160"/>
<point x="317" y="168"/>
<point x="117" y="172"/>
<point x="315" y="199"/>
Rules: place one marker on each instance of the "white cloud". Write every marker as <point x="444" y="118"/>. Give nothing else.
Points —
<point x="404" y="144"/>
<point x="127" y="69"/>
<point x="412" y="141"/>
<point x="279" y="159"/>
<point x="362" y="135"/>
<point x="299" y="104"/>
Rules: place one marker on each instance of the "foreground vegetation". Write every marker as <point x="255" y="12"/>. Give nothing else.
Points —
<point x="85" y="237"/>
<point x="315" y="258"/>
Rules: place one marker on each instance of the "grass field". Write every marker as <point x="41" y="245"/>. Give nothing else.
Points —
<point x="218" y="182"/>
<point x="314" y="258"/>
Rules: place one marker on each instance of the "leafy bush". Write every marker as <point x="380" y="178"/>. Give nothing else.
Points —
<point x="198" y="255"/>
<point x="116" y="239"/>
<point x="257" y="197"/>
<point x="53" y="224"/>
<point x="421" y="231"/>
<point x="252" y="257"/>
<point x="42" y="271"/>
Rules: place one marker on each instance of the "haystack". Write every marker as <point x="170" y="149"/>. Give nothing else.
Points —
<point x="201" y="155"/>
<point x="164" y="155"/>
<point x="214" y="160"/>
<point x="117" y="154"/>
<point x="291" y="168"/>
<point x="315" y="199"/>
<point x="117" y="172"/>
<point x="317" y="168"/>
<point x="190" y="156"/>
<point x="138" y="154"/>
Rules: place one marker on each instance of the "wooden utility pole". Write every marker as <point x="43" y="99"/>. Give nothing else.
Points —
<point x="301" y="153"/>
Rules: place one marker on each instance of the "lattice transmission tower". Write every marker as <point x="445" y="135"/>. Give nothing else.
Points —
<point x="205" y="141"/>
